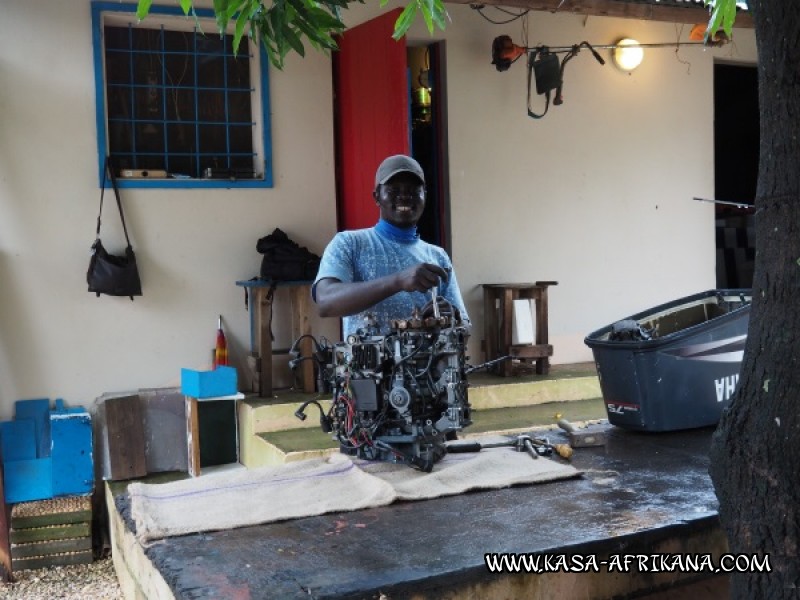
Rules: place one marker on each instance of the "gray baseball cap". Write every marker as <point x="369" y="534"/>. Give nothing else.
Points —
<point x="399" y="163"/>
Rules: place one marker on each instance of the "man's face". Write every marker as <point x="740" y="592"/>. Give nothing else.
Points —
<point x="401" y="200"/>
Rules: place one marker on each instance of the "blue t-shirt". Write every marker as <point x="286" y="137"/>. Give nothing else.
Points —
<point x="367" y="254"/>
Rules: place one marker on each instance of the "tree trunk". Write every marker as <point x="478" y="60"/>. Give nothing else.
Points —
<point x="755" y="453"/>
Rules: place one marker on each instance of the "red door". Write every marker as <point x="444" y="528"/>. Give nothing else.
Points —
<point x="371" y="114"/>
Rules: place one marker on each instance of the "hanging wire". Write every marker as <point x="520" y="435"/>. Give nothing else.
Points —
<point x="678" y="34"/>
<point x="514" y="16"/>
<point x="524" y="30"/>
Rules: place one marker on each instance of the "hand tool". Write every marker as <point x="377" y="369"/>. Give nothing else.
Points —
<point x="536" y="447"/>
<point x="582" y="437"/>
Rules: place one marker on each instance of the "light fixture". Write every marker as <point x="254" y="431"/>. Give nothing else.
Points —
<point x="627" y="54"/>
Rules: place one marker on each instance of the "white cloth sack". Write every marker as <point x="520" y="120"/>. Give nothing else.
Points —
<point x="491" y="468"/>
<point x="243" y="497"/>
<point x="229" y="499"/>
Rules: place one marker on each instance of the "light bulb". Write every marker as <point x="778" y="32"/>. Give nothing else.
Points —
<point x="628" y="54"/>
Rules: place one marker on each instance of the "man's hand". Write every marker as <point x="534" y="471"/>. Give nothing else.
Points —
<point x="337" y="299"/>
<point x="421" y="277"/>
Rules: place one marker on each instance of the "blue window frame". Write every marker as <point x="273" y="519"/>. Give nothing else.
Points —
<point x="175" y="106"/>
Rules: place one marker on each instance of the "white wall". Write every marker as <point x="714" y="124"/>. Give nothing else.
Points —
<point x="596" y="195"/>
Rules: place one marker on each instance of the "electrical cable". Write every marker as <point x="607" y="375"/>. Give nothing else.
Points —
<point x="479" y="9"/>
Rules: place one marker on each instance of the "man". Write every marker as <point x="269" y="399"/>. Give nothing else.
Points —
<point x="385" y="272"/>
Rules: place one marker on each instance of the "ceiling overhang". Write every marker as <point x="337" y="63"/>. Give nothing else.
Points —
<point x="674" y="12"/>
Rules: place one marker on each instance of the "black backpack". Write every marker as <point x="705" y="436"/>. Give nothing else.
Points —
<point x="284" y="260"/>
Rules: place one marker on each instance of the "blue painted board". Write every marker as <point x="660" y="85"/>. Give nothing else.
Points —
<point x="73" y="470"/>
<point x="26" y="480"/>
<point x="38" y="410"/>
<point x="18" y="440"/>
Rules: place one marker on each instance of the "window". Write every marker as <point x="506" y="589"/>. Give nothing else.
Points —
<point x="175" y="106"/>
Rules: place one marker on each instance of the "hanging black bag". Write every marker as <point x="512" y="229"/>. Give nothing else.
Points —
<point x="108" y="273"/>
<point x="284" y="260"/>
<point x="545" y="71"/>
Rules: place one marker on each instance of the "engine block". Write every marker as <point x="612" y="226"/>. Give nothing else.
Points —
<point x="398" y="397"/>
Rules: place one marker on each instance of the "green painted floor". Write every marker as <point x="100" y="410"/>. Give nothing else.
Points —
<point x="498" y="419"/>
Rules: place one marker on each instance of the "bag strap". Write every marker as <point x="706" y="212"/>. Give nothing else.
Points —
<point x="107" y="170"/>
<point x="531" y="60"/>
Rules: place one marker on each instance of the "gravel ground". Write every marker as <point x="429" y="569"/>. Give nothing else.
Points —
<point x="96" y="581"/>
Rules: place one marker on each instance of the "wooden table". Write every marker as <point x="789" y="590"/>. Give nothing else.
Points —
<point x="261" y="298"/>
<point x="498" y="310"/>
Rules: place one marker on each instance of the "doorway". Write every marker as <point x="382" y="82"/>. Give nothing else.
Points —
<point x="389" y="98"/>
<point x="736" y="149"/>
<point x="428" y="132"/>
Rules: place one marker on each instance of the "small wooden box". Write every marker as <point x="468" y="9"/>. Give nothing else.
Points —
<point x="208" y="384"/>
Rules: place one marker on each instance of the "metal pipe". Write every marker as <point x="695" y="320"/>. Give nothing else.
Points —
<point x="557" y="49"/>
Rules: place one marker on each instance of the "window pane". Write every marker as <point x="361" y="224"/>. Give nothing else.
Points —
<point x="148" y="103"/>
<point x="241" y="139"/>
<point x="120" y="138"/>
<point x="180" y="105"/>
<point x="183" y="165"/>
<point x="209" y="44"/>
<point x="211" y="106"/>
<point x="181" y="139"/>
<point x="119" y="102"/>
<point x="239" y="110"/>
<point x="239" y="69"/>
<point x="118" y="67"/>
<point x="244" y="163"/>
<point x="149" y="138"/>
<point x="116" y="38"/>
<point x="150" y="163"/>
<point x="212" y="139"/>
<point x="210" y="72"/>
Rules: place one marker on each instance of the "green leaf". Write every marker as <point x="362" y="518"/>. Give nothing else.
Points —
<point x="294" y="41"/>
<point x="319" y="39"/>
<point x="281" y="25"/>
<point x="403" y="23"/>
<point x="143" y="9"/>
<point x="186" y="5"/>
<point x="325" y="20"/>
<point x="241" y="23"/>
<point x="220" y="6"/>
<point x="236" y="7"/>
<point x="266" y="34"/>
<point x="221" y="12"/>
<point x="723" y="15"/>
<point x="439" y="13"/>
<point x="426" y="6"/>
<point x="729" y="18"/>
<point x="714" y="23"/>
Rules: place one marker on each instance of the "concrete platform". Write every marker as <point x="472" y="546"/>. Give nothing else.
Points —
<point x="640" y="494"/>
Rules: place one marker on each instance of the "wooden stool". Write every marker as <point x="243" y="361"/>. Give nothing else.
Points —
<point x="261" y="297"/>
<point x="497" y="325"/>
